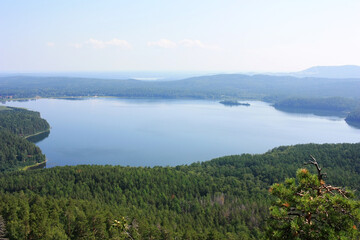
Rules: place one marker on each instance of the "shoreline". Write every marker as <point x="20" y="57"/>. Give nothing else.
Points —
<point x="123" y="97"/>
<point x="38" y="133"/>
<point x="32" y="166"/>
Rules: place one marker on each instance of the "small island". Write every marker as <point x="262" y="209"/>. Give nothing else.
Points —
<point x="234" y="103"/>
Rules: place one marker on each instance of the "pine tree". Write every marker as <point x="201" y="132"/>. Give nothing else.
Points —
<point x="308" y="208"/>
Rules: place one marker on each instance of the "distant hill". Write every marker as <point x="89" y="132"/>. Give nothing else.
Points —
<point x="346" y="71"/>
<point x="220" y="86"/>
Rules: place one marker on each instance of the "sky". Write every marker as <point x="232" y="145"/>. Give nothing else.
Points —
<point x="183" y="35"/>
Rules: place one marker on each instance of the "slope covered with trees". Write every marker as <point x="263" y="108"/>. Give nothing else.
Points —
<point x="334" y="104"/>
<point x="344" y="107"/>
<point x="225" y="198"/>
<point x="22" y="122"/>
<point x="353" y="118"/>
<point x="15" y="150"/>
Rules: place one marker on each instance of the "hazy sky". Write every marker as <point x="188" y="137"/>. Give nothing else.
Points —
<point x="223" y="35"/>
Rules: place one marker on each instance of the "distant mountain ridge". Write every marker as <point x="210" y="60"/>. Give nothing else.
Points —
<point x="346" y="71"/>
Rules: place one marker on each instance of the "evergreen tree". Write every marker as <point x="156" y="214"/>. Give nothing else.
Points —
<point x="308" y="208"/>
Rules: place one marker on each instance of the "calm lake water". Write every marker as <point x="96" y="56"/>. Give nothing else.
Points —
<point x="172" y="132"/>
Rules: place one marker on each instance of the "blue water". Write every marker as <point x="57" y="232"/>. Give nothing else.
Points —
<point x="173" y="132"/>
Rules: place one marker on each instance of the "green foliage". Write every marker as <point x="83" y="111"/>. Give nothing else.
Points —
<point x="31" y="216"/>
<point x="15" y="151"/>
<point x="22" y="122"/>
<point x="155" y="201"/>
<point x="308" y="208"/>
<point x="342" y="163"/>
<point x="226" y="198"/>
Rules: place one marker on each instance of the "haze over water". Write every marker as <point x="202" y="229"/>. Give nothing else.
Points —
<point x="173" y="132"/>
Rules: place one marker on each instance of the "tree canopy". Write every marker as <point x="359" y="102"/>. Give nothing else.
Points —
<point x="21" y="121"/>
<point x="225" y="198"/>
<point x="15" y="150"/>
<point x="308" y="208"/>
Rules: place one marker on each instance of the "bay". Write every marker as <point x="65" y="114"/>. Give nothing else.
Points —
<point x="138" y="132"/>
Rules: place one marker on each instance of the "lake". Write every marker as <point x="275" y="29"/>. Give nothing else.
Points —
<point x="172" y="132"/>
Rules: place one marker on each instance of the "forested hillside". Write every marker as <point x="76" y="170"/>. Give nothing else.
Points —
<point x="205" y="87"/>
<point x="344" y="107"/>
<point x="354" y="117"/>
<point x="334" y="104"/>
<point x="225" y="198"/>
<point x="15" y="150"/>
<point x="22" y="122"/>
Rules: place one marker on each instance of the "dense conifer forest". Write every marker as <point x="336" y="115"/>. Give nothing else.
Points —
<point x="22" y="122"/>
<point x="225" y="198"/>
<point x="15" y="150"/>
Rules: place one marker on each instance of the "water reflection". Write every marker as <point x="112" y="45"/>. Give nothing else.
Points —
<point x="353" y="124"/>
<point x="39" y="137"/>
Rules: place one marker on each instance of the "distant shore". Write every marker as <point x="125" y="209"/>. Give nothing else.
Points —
<point x="120" y="97"/>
